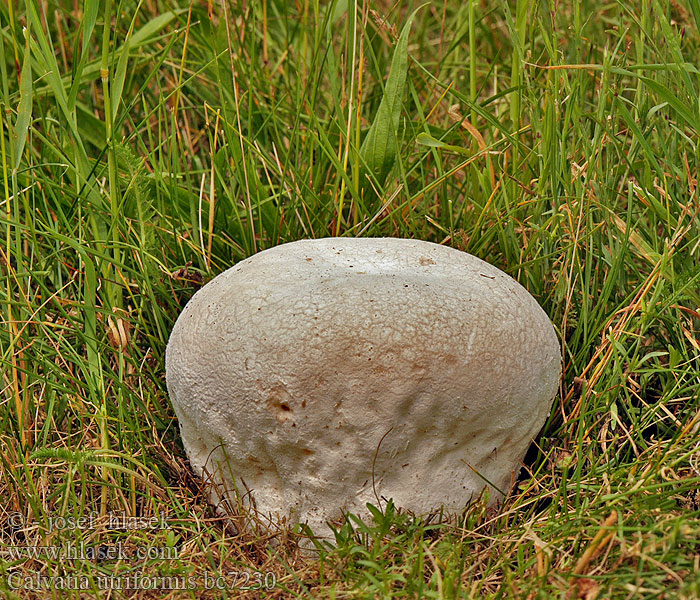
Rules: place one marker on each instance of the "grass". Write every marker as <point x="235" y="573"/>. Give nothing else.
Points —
<point x="147" y="146"/>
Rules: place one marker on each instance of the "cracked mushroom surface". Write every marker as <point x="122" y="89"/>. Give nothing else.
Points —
<point x="320" y="375"/>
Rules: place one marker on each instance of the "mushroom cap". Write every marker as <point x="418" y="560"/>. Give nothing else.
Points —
<point x="321" y="375"/>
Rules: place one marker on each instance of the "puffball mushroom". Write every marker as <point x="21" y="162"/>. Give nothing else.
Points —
<point x="321" y="375"/>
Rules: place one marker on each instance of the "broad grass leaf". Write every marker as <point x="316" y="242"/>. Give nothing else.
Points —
<point x="150" y="29"/>
<point x="640" y="137"/>
<point x="24" y="110"/>
<point x="695" y="7"/>
<point x="687" y="113"/>
<point x="153" y="27"/>
<point x="425" y="139"/>
<point x="89" y="20"/>
<point x="119" y="77"/>
<point x="47" y="69"/>
<point x="379" y="147"/>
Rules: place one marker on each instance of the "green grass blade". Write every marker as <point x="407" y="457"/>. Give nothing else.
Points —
<point x="119" y="77"/>
<point x="695" y="8"/>
<point x="24" y="111"/>
<point x="92" y="8"/>
<point x="378" y="150"/>
<point x="683" y="110"/>
<point x="425" y="139"/>
<point x="154" y="26"/>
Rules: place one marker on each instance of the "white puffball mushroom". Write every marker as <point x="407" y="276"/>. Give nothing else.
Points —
<point x="321" y="375"/>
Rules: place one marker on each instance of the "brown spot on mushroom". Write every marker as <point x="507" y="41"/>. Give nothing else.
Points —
<point x="278" y="404"/>
<point x="418" y="367"/>
<point x="425" y="261"/>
